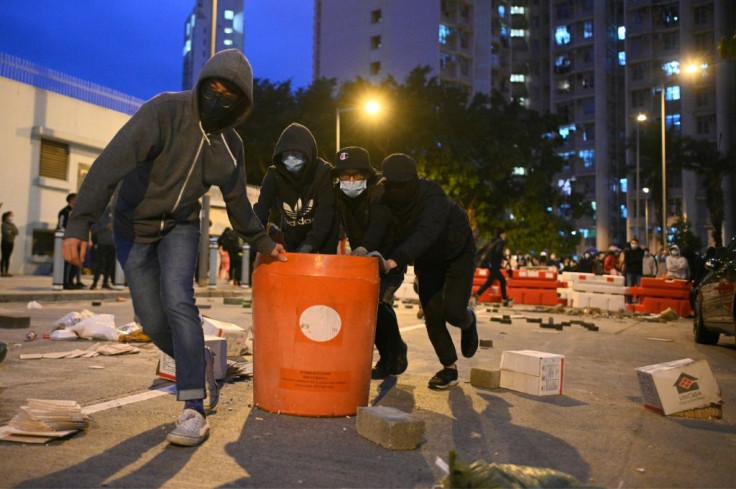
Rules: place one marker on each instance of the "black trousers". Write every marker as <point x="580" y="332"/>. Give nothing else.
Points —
<point x="444" y="291"/>
<point x="388" y="338"/>
<point x="495" y="273"/>
<point x="104" y="263"/>
<point x="7" y="250"/>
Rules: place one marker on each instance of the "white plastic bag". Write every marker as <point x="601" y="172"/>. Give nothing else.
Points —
<point x="98" y="327"/>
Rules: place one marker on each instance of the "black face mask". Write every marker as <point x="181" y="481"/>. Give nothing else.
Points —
<point x="211" y="111"/>
<point x="400" y="194"/>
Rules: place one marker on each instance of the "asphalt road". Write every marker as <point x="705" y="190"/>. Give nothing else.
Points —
<point x="597" y="431"/>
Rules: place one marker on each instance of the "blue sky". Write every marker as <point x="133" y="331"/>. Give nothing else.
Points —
<point x="135" y="46"/>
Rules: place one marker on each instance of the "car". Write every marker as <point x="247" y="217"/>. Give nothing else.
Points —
<point x="714" y="298"/>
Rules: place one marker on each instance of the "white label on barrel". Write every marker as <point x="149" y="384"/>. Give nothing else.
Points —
<point x="320" y="323"/>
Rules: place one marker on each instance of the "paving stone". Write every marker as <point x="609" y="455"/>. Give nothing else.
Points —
<point x="481" y="377"/>
<point x="233" y="301"/>
<point x="486" y="343"/>
<point x="11" y="320"/>
<point x="389" y="427"/>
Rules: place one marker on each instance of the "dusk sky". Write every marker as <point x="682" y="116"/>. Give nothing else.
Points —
<point x="135" y="46"/>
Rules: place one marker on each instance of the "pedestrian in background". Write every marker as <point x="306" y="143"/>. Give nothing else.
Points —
<point x="163" y="160"/>
<point x="648" y="264"/>
<point x="367" y="224"/>
<point x="9" y="232"/>
<point x="298" y="187"/>
<point x="103" y="251"/>
<point x="493" y="260"/>
<point x="433" y="233"/>
<point x="72" y="273"/>
<point x="677" y="266"/>
<point x="633" y="257"/>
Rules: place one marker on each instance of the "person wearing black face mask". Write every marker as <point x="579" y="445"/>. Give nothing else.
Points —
<point x="365" y="221"/>
<point x="162" y="161"/>
<point x="433" y="233"/>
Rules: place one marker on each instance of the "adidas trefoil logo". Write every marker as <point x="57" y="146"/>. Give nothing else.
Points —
<point x="295" y="215"/>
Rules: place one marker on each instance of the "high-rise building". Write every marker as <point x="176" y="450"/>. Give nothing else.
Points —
<point x="595" y="63"/>
<point x="198" y="45"/>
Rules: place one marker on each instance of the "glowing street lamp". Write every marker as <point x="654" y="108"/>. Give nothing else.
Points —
<point x="371" y="107"/>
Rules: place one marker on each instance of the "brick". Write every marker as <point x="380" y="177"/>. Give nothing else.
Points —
<point x="233" y="301"/>
<point x="481" y="377"/>
<point x="10" y="320"/>
<point x="486" y="343"/>
<point x="389" y="427"/>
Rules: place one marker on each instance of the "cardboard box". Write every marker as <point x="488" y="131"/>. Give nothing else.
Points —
<point x="676" y="386"/>
<point x="167" y="366"/>
<point x="235" y="335"/>
<point x="532" y="372"/>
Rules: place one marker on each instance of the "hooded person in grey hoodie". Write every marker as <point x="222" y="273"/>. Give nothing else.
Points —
<point x="162" y="161"/>
<point x="299" y="186"/>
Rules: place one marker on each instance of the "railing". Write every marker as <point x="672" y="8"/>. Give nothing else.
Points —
<point x="54" y="81"/>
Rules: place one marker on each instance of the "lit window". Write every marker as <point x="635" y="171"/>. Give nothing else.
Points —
<point x="562" y="35"/>
<point x="673" y="120"/>
<point x="623" y="211"/>
<point x="523" y="101"/>
<point x="624" y="184"/>
<point x="566" y="130"/>
<point x="228" y="14"/>
<point x="672" y="93"/>
<point x="622" y="58"/>
<point x="228" y="42"/>
<point x="518" y="32"/>
<point x="587" y="29"/>
<point x="228" y="30"/>
<point x="187" y="46"/>
<point x="517" y="10"/>
<point x="517" y="78"/>
<point x="622" y="33"/>
<point x="444" y="33"/>
<point x="588" y="157"/>
<point x="565" y="186"/>
<point x="671" y="68"/>
<point x="519" y="170"/>
<point x="502" y="11"/>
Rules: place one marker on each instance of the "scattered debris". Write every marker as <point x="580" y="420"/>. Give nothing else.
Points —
<point x="34" y="305"/>
<point x="31" y="336"/>
<point x="483" y="474"/>
<point x="92" y="351"/>
<point x="237" y="370"/>
<point x="668" y="314"/>
<point x="43" y="420"/>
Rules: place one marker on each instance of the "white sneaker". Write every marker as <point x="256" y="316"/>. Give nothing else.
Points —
<point x="213" y="390"/>
<point x="191" y="429"/>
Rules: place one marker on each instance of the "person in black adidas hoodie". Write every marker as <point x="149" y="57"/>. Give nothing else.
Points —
<point x="433" y="233"/>
<point x="299" y="185"/>
<point x="163" y="160"/>
<point x="358" y="202"/>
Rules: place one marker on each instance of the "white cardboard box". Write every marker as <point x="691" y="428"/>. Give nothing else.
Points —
<point x="676" y="386"/>
<point x="532" y="372"/>
<point x="235" y="335"/>
<point x="167" y="366"/>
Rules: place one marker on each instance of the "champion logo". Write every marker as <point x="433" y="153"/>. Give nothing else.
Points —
<point x="344" y="155"/>
<point x="686" y="383"/>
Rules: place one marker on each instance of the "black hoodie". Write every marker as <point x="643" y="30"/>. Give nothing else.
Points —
<point x="164" y="162"/>
<point x="305" y="200"/>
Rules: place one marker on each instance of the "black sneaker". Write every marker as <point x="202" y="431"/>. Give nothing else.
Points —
<point x="444" y="379"/>
<point x="469" y="337"/>
<point x="401" y="362"/>
<point x="382" y="369"/>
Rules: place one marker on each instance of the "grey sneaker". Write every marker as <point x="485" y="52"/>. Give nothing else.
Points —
<point x="191" y="429"/>
<point x="213" y="390"/>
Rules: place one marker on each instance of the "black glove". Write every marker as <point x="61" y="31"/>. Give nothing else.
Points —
<point x="305" y="248"/>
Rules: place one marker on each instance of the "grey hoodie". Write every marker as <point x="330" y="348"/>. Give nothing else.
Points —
<point x="164" y="162"/>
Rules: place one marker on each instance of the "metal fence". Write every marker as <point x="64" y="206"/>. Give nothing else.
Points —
<point x="46" y="79"/>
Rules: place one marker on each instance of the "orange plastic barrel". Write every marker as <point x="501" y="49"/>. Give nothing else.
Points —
<point x="314" y="320"/>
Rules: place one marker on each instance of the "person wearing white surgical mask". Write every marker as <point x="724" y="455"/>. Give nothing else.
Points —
<point x="366" y="221"/>
<point x="298" y="188"/>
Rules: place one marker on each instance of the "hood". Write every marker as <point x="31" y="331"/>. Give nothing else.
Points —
<point x="233" y="66"/>
<point x="295" y="138"/>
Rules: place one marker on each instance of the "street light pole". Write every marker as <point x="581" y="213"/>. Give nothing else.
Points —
<point x="646" y="214"/>
<point x="664" y="173"/>
<point x="639" y="119"/>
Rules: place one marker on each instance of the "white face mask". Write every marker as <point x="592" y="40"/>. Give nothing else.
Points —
<point x="353" y="188"/>
<point x="11" y="220"/>
<point x="293" y="162"/>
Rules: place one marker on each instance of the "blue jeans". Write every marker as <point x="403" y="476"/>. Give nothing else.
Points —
<point x="161" y="280"/>
<point x="632" y="280"/>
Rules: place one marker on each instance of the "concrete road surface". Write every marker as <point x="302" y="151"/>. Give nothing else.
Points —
<point x="597" y="430"/>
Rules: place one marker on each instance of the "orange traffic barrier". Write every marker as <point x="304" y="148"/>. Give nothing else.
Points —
<point x="492" y="293"/>
<point x="314" y="320"/>
<point x="657" y="294"/>
<point x="537" y="287"/>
